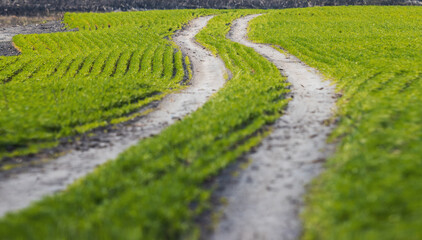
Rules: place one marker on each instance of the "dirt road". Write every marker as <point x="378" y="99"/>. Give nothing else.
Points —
<point x="265" y="199"/>
<point x="19" y="188"/>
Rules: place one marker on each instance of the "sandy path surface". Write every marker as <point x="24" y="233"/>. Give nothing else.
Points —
<point x="19" y="188"/>
<point x="265" y="199"/>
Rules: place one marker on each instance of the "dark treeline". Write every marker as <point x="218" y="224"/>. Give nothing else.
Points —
<point x="42" y="7"/>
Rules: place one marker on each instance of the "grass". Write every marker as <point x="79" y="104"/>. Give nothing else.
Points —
<point x="371" y="187"/>
<point x="155" y="189"/>
<point x="68" y="83"/>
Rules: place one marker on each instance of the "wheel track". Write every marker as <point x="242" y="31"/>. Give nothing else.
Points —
<point x="265" y="200"/>
<point x="20" y="187"/>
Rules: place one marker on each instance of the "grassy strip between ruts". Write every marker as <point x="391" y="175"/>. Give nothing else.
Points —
<point x="154" y="190"/>
<point x="373" y="184"/>
<point x="71" y="82"/>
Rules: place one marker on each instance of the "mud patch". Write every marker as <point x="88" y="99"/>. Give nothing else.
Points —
<point x="19" y="187"/>
<point x="264" y="200"/>
<point x="7" y="49"/>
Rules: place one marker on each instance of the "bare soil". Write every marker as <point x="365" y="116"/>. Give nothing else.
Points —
<point x="20" y="186"/>
<point x="42" y="7"/>
<point x="264" y="200"/>
<point x="7" y="33"/>
<point x="12" y="21"/>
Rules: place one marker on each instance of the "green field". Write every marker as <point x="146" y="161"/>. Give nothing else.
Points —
<point x="166" y="172"/>
<point x="372" y="186"/>
<point x="68" y="83"/>
<point x="155" y="189"/>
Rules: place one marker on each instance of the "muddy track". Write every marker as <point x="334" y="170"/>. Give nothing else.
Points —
<point x="19" y="188"/>
<point x="264" y="201"/>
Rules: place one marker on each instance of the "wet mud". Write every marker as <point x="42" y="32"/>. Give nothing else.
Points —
<point x="264" y="200"/>
<point x="20" y="187"/>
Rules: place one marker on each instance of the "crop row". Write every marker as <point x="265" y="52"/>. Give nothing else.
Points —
<point x="68" y="83"/>
<point x="372" y="186"/>
<point x="161" y="21"/>
<point x="155" y="190"/>
<point x="147" y="191"/>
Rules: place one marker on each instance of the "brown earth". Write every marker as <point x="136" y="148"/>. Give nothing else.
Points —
<point x="12" y="21"/>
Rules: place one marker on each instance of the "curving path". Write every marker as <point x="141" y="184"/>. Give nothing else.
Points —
<point x="264" y="201"/>
<point x="19" y="188"/>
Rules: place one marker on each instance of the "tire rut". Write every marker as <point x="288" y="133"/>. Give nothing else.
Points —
<point x="19" y="188"/>
<point x="264" y="201"/>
